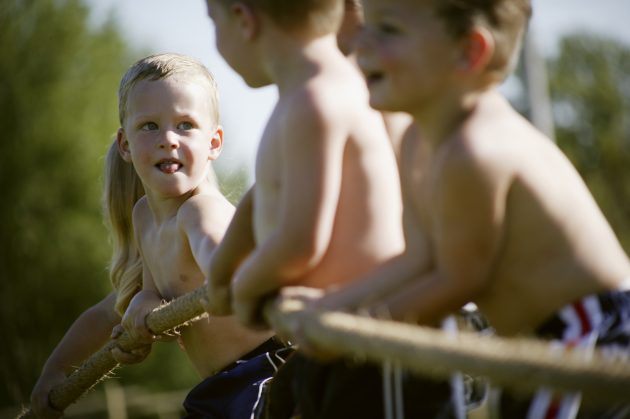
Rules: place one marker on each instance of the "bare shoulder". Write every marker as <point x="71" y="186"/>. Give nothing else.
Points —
<point x="207" y="208"/>
<point x="487" y="155"/>
<point x="333" y="98"/>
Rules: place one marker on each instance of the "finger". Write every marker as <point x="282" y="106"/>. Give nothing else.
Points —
<point x="141" y="332"/>
<point x="117" y="331"/>
<point x="124" y="357"/>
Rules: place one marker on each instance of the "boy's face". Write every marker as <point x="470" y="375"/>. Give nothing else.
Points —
<point x="169" y="135"/>
<point x="234" y="26"/>
<point x="406" y="55"/>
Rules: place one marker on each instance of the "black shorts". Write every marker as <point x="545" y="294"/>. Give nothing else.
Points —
<point x="235" y="391"/>
<point x="345" y="389"/>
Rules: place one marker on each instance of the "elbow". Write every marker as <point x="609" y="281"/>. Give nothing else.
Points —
<point x="303" y="256"/>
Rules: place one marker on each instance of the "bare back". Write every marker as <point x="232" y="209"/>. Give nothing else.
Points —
<point x="535" y="238"/>
<point x="335" y="172"/>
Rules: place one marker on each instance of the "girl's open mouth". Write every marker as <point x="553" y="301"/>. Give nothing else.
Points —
<point x="168" y="166"/>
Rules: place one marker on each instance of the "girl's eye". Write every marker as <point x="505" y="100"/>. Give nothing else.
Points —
<point x="149" y="126"/>
<point x="185" y="125"/>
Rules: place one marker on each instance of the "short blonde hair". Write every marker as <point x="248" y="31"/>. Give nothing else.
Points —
<point x="162" y="66"/>
<point x="319" y="16"/>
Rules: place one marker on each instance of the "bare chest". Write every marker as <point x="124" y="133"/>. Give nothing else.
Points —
<point x="417" y="173"/>
<point x="169" y="260"/>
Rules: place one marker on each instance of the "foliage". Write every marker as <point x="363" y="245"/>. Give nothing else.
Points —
<point x="58" y="79"/>
<point x="590" y="88"/>
<point x="57" y="110"/>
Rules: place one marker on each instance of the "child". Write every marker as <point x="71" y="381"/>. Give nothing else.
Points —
<point x="497" y="215"/>
<point x="325" y="207"/>
<point x="170" y="133"/>
<point x="93" y="328"/>
<point x="396" y="123"/>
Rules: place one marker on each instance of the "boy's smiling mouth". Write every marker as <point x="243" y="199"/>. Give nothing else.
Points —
<point x="168" y="166"/>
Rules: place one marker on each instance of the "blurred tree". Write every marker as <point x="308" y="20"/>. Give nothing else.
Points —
<point x="58" y="111"/>
<point x="590" y="89"/>
<point x="234" y="182"/>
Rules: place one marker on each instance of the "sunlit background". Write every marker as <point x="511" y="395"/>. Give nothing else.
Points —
<point x="60" y="64"/>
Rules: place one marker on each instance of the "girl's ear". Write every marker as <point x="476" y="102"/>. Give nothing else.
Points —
<point x="123" y="145"/>
<point x="216" y="143"/>
<point x="478" y="50"/>
<point x="249" y="23"/>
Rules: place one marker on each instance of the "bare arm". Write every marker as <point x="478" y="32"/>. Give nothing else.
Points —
<point x="148" y="298"/>
<point x="89" y="332"/>
<point x="387" y="278"/>
<point x="235" y="246"/>
<point x="203" y="220"/>
<point x="310" y="184"/>
<point x="468" y="217"/>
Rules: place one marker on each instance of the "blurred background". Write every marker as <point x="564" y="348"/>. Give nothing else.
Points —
<point x="60" y="64"/>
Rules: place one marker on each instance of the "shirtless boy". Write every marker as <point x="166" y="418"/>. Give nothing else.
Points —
<point x="494" y="212"/>
<point x="325" y="207"/>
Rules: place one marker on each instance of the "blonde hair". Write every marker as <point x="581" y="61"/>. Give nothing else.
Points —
<point x="122" y="189"/>
<point x="162" y="66"/>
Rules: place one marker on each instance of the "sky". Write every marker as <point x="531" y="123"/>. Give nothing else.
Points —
<point x="182" y="26"/>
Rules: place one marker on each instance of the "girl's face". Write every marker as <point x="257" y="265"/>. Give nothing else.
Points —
<point x="405" y="54"/>
<point x="170" y="135"/>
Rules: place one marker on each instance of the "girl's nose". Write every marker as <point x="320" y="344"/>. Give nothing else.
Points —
<point x="169" y="141"/>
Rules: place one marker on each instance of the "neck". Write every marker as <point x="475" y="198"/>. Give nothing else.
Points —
<point x="165" y="208"/>
<point x="442" y="117"/>
<point x="295" y="59"/>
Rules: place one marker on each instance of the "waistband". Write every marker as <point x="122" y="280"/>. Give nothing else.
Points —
<point x="270" y="345"/>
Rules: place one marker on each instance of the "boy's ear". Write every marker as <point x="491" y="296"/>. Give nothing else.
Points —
<point x="478" y="50"/>
<point x="249" y="23"/>
<point x="216" y="143"/>
<point x="123" y="145"/>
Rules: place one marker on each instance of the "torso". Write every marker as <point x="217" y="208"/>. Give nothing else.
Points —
<point x="366" y="228"/>
<point x="210" y="344"/>
<point x="556" y="245"/>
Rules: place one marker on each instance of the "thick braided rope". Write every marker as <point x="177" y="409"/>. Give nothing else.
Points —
<point x="96" y="368"/>
<point x="521" y="365"/>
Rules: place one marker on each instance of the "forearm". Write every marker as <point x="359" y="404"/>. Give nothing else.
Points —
<point x="425" y="300"/>
<point x="377" y="285"/>
<point x="282" y="260"/>
<point x="89" y="332"/>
